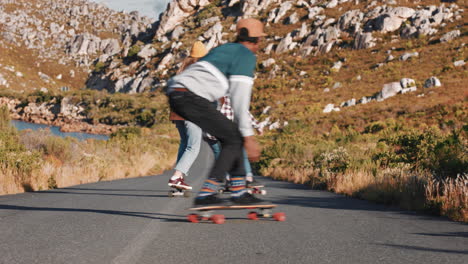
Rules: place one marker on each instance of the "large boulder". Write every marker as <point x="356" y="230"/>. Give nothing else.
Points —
<point x="267" y="63"/>
<point x="432" y="82"/>
<point x="147" y="52"/>
<point x="364" y="41"/>
<point x="408" y="85"/>
<point x="391" y="19"/>
<point x="252" y="7"/>
<point x="409" y="55"/>
<point x="389" y="90"/>
<point x="314" y="11"/>
<point x="285" y="7"/>
<point x="351" y="21"/>
<point x="284" y="44"/>
<point x="330" y="108"/>
<point x="450" y="36"/>
<point x="112" y="47"/>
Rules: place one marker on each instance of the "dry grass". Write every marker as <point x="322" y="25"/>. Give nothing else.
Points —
<point x="410" y="191"/>
<point x="299" y="176"/>
<point x="396" y="187"/>
<point x="450" y="196"/>
<point x="67" y="162"/>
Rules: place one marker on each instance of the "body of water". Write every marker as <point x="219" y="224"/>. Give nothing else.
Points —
<point x="20" y="125"/>
<point x="149" y="8"/>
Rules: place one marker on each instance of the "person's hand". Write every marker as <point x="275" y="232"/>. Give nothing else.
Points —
<point x="252" y="148"/>
<point x="260" y="131"/>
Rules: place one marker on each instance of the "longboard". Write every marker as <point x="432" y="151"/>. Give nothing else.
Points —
<point x="233" y="207"/>
<point x="206" y="213"/>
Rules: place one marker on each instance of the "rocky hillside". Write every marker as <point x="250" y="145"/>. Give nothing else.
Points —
<point x="320" y="55"/>
<point x="297" y="28"/>
<point x="53" y="45"/>
<point x="350" y="52"/>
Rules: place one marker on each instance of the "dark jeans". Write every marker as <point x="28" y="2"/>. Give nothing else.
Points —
<point x="201" y="112"/>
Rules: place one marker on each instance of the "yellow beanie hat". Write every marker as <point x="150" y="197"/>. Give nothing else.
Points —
<point x="198" y="50"/>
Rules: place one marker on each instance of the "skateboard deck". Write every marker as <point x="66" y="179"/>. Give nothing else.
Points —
<point x="233" y="207"/>
<point x="206" y="212"/>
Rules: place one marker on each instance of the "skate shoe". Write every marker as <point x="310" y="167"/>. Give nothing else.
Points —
<point x="252" y="183"/>
<point x="246" y="199"/>
<point x="212" y="199"/>
<point x="179" y="184"/>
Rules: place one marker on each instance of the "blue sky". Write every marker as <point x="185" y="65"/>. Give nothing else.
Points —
<point x="150" y="8"/>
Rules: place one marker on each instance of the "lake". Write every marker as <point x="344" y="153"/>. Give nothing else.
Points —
<point x="20" y="125"/>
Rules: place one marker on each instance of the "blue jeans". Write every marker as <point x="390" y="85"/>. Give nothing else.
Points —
<point x="189" y="147"/>
<point x="216" y="147"/>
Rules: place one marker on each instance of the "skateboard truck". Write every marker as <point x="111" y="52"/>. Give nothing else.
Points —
<point x="250" y="189"/>
<point x="179" y="192"/>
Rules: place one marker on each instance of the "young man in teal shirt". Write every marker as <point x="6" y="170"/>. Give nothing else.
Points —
<point x="225" y="70"/>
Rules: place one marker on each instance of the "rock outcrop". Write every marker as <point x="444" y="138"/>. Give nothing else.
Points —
<point x="68" y="30"/>
<point x="176" y="12"/>
<point x="65" y="114"/>
<point x="315" y="34"/>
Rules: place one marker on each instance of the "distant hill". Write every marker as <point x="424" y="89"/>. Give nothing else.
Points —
<point x="320" y="56"/>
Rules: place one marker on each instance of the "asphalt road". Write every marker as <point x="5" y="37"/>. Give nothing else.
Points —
<point x="133" y="221"/>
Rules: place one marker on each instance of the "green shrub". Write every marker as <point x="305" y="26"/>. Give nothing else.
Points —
<point x="13" y="155"/>
<point x="428" y="150"/>
<point x="40" y="97"/>
<point x="134" y="50"/>
<point x="58" y="147"/>
<point x="127" y="133"/>
<point x="335" y="161"/>
<point x="374" y="127"/>
<point x="209" y="11"/>
<point x="4" y="118"/>
<point x="99" y="66"/>
<point x="146" y="117"/>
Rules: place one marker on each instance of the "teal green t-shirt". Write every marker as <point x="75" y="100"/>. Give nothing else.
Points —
<point x="232" y="59"/>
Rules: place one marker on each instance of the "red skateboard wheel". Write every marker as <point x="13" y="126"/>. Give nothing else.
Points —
<point x="193" y="218"/>
<point x="252" y="216"/>
<point x="281" y="217"/>
<point x="218" y="219"/>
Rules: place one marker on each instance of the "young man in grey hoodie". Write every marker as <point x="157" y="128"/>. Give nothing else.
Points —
<point x="225" y="70"/>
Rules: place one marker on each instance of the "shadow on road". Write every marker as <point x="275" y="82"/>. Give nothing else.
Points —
<point x="333" y="201"/>
<point x="447" y="234"/>
<point x="106" y="190"/>
<point x="107" y="194"/>
<point x="156" y="216"/>
<point x="435" y="250"/>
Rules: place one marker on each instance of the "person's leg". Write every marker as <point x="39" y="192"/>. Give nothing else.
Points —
<point x="216" y="149"/>
<point x="248" y="168"/>
<point x="200" y="111"/>
<point x="183" y="137"/>
<point x="194" y="136"/>
<point x="182" y="146"/>
<point x="189" y="148"/>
